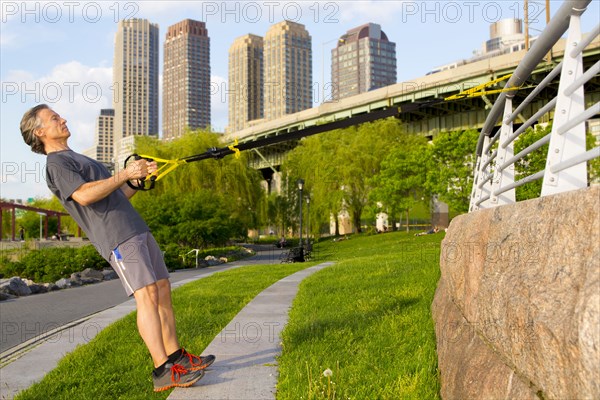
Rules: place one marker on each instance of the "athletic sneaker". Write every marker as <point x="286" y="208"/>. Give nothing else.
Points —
<point x="195" y="363"/>
<point x="175" y="375"/>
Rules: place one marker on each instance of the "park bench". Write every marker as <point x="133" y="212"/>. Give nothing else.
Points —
<point x="294" y="254"/>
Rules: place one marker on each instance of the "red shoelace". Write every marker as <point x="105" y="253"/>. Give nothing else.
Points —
<point x="176" y="371"/>
<point x="192" y="357"/>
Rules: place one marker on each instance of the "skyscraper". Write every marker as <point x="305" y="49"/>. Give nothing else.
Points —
<point x="364" y="59"/>
<point x="135" y="76"/>
<point x="287" y="70"/>
<point x="186" y="78"/>
<point x="103" y="144"/>
<point x="246" y="89"/>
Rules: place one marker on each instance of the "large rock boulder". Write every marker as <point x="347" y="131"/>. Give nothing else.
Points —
<point x="50" y="287"/>
<point x="212" y="261"/>
<point x="90" y="275"/>
<point x="35" y="288"/>
<point x="6" y="296"/>
<point x="517" y="309"/>
<point x="75" y="279"/>
<point x="63" y="283"/>
<point x="109" y="274"/>
<point x="15" y="286"/>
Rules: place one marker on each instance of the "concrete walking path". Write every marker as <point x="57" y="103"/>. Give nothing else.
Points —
<point x="246" y="349"/>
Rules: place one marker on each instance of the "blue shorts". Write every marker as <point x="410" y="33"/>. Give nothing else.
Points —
<point x="139" y="262"/>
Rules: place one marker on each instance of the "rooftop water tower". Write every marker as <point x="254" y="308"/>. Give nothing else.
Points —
<point x="504" y="33"/>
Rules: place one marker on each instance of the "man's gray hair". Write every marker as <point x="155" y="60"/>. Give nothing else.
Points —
<point x="29" y="123"/>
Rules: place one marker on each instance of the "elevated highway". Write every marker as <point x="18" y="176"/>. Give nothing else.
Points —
<point x="417" y="103"/>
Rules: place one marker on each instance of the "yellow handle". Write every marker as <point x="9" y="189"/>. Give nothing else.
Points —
<point x="168" y="166"/>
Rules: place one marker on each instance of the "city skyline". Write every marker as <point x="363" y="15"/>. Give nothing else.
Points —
<point x="72" y="46"/>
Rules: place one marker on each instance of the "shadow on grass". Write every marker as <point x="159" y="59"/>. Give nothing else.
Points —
<point x="355" y="321"/>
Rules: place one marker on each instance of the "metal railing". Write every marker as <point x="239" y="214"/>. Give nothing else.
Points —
<point x="566" y="162"/>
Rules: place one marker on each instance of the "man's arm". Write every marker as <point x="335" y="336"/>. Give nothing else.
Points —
<point x="129" y="192"/>
<point x="91" y="192"/>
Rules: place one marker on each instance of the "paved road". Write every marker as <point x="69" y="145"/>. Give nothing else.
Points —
<point x="29" y="317"/>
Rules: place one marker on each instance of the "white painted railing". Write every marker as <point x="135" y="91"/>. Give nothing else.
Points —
<point x="566" y="162"/>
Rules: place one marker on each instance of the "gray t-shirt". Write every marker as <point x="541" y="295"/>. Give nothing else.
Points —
<point x="107" y="222"/>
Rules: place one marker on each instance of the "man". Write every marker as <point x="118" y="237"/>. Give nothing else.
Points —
<point x="99" y="203"/>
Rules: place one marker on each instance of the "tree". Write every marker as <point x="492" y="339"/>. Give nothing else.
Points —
<point x="202" y="203"/>
<point x="593" y="165"/>
<point x="278" y="212"/>
<point x="536" y="161"/>
<point x="401" y="182"/>
<point x="314" y="160"/>
<point x="337" y="165"/>
<point x="531" y="163"/>
<point x="451" y="160"/>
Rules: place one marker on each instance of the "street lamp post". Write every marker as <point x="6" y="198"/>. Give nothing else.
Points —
<point x="300" y="183"/>
<point x="307" y="219"/>
<point x="300" y="187"/>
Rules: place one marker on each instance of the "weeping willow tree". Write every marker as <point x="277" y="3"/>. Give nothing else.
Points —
<point x="279" y="213"/>
<point x="400" y="184"/>
<point x="204" y="203"/>
<point x="313" y="161"/>
<point x="337" y="167"/>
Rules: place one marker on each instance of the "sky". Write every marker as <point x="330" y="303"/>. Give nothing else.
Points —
<point x="61" y="53"/>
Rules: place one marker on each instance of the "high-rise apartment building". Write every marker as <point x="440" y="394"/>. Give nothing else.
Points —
<point x="246" y="99"/>
<point x="135" y="76"/>
<point x="287" y="70"/>
<point x="103" y="143"/>
<point x="363" y="60"/>
<point x="186" y="78"/>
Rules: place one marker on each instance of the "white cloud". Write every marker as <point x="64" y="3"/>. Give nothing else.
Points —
<point x="17" y="76"/>
<point x="74" y="90"/>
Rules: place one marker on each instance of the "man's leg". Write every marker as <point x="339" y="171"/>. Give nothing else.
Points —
<point x="149" y="322"/>
<point x="167" y="317"/>
<point x="165" y="309"/>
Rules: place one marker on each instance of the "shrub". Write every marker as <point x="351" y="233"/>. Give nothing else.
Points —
<point x="88" y="257"/>
<point x="52" y="264"/>
<point x="12" y="268"/>
<point x="172" y="255"/>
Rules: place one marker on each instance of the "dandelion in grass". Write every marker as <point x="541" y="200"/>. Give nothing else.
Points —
<point x="327" y="373"/>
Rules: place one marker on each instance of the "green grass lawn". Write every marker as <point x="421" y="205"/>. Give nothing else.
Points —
<point x="367" y="319"/>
